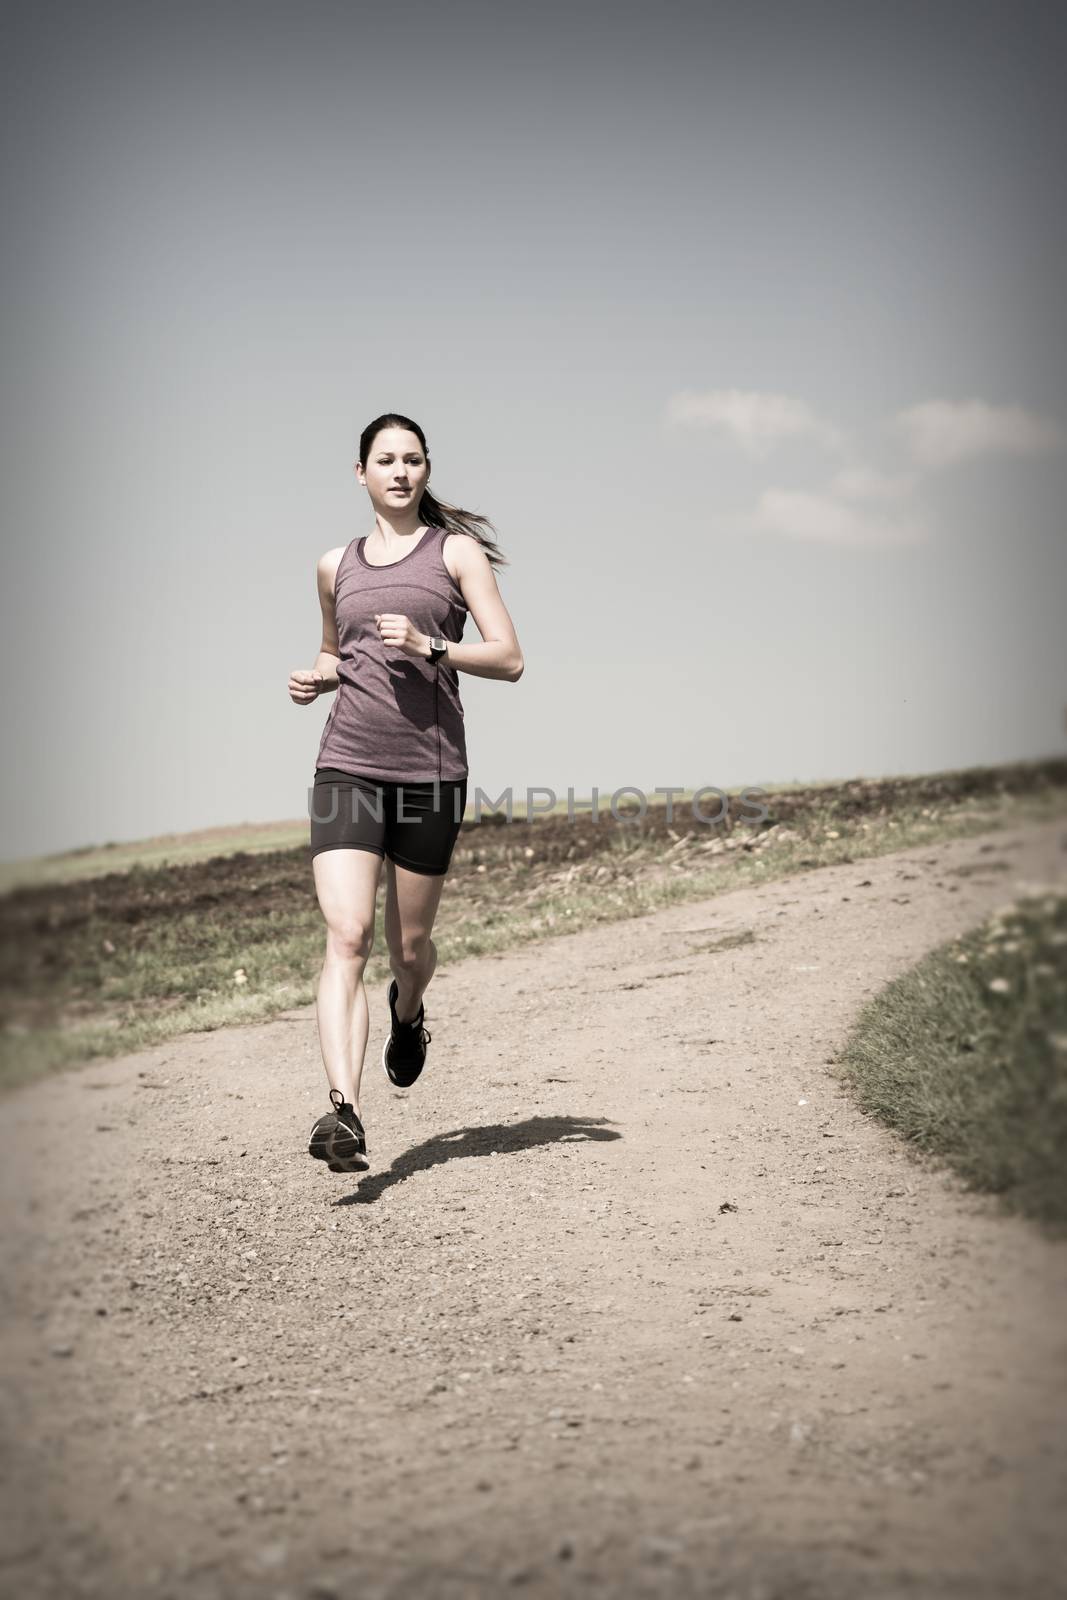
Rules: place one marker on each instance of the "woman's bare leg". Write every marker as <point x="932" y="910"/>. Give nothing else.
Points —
<point x="411" y="902"/>
<point x="346" y="882"/>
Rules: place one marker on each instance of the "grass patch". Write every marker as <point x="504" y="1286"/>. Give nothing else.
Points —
<point x="965" y="1057"/>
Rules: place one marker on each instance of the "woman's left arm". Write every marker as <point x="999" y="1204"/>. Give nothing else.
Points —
<point x="499" y="655"/>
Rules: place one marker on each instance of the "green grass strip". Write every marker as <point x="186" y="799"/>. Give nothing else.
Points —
<point x="965" y="1057"/>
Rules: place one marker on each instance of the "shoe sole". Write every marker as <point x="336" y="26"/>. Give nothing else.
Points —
<point x="337" y="1147"/>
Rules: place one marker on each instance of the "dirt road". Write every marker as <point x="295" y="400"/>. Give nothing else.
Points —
<point x="633" y="1300"/>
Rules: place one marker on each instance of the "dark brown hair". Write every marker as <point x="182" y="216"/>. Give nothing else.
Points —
<point x="437" y="513"/>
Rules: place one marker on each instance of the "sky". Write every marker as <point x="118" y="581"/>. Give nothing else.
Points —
<point x="742" y="323"/>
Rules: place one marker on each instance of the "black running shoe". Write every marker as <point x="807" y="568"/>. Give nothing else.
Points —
<point x="338" y="1137"/>
<point x="404" y="1051"/>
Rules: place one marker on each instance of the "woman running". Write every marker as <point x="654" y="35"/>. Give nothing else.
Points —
<point x="391" y="773"/>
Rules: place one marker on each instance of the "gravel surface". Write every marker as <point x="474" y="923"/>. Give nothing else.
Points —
<point x="632" y="1301"/>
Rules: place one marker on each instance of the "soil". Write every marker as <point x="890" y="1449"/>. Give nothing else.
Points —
<point x="265" y="882"/>
<point x="633" y="1301"/>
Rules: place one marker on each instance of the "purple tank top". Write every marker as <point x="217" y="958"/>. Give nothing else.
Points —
<point x="396" y="716"/>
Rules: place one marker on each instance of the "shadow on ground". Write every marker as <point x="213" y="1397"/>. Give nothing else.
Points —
<point x="498" y="1138"/>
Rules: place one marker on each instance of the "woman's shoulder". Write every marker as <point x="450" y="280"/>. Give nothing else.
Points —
<point x="452" y="552"/>
<point x="459" y="551"/>
<point x="328" y="565"/>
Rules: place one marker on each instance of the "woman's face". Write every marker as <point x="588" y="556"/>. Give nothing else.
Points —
<point x="395" y="472"/>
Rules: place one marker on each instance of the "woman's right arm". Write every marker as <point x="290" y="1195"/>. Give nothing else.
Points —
<point x="304" y="687"/>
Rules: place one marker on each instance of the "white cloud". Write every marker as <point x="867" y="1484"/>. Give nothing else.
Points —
<point x="820" y="518"/>
<point x="753" y="420"/>
<point x="861" y="506"/>
<point x="939" y="432"/>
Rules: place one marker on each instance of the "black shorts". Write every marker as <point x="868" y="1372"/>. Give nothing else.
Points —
<point x="414" y="823"/>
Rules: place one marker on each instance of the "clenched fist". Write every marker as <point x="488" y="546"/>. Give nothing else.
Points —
<point x="304" y="687"/>
<point x="400" y="634"/>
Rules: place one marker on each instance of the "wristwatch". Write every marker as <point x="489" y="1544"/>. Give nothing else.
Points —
<point x="437" y="648"/>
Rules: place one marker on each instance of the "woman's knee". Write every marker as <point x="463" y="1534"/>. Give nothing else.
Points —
<point x="351" y="939"/>
<point x="412" y="950"/>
